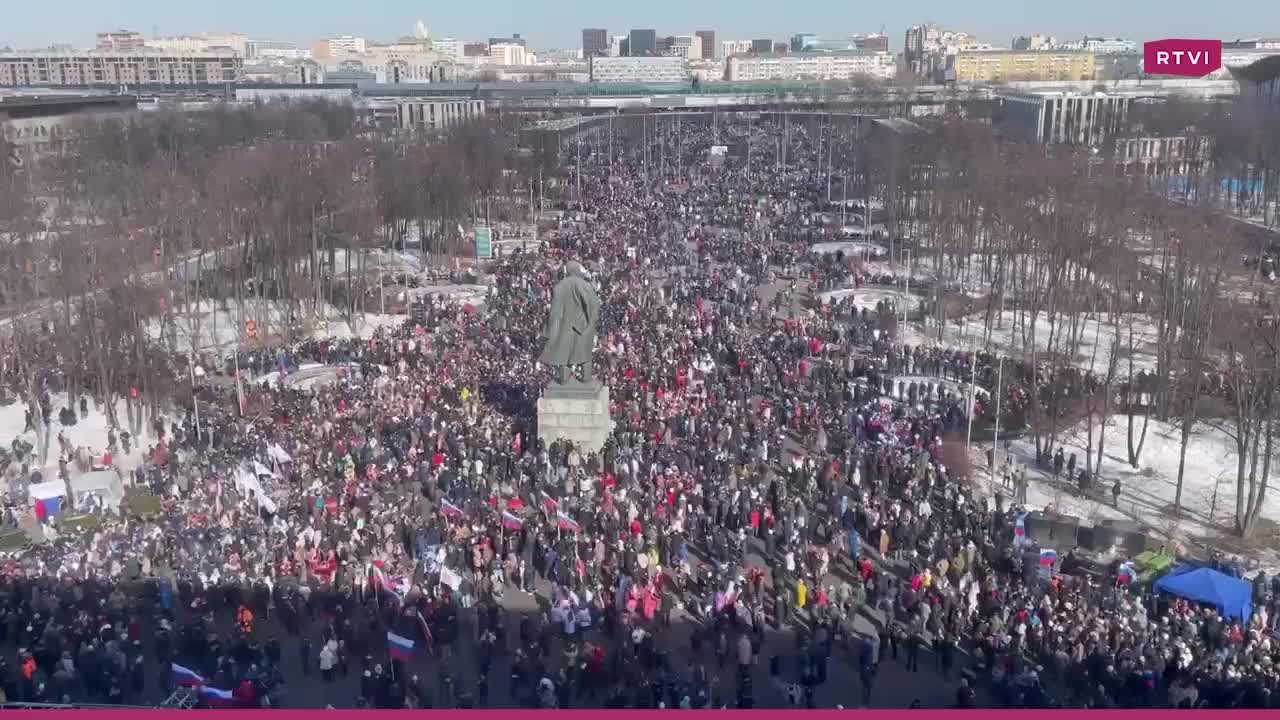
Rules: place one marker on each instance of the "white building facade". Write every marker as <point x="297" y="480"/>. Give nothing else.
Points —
<point x="639" y="70"/>
<point x="729" y="48"/>
<point x="202" y="42"/>
<point x="437" y="113"/>
<point x="449" y="49"/>
<point x="1061" y="118"/>
<point x="509" y="54"/>
<point x="347" y="44"/>
<point x="272" y="50"/>
<point x="1109" y="46"/>
<point x="686" y="46"/>
<point x="811" y="66"/>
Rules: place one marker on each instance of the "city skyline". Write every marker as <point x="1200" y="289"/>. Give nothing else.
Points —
<point x="77" y="21"/>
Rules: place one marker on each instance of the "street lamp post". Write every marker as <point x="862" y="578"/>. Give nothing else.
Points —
<point x="973" y="399"/>
<point x="908" y="287"/>
<point x="995" y="442"/>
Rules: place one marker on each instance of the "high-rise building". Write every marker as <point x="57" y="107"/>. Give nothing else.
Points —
<point x="615" y="45"/>
<point x="642" y="42"/>
<point x="449" y="49"/>
<point x="475" y="49"/>
<point x="761" y="46"/>
<point x="920" y="40"/>
<point x="684" y="46"/>
<point x="871" y="42"/>
<point x="120" y="41"/>
<point x="595" y="42"/>
<point x="729" y="48"/>
<point x="1035" y="41"/>
<point x="927" y="47"/>
<point x="708" y="38"/>
<point x="801" y="41"/>
<point x="515" y="39"/>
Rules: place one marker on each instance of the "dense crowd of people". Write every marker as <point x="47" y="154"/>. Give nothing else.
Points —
<point x="779" y="481"/>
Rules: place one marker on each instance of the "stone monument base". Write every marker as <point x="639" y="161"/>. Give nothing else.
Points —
<point x="578" y="412"/>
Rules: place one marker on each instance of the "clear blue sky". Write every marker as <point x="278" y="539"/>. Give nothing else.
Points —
<point x="557" y="23"/>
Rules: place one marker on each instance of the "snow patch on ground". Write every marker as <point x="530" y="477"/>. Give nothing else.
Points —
<point x="387" y="261"/>
<point x="867" y="298"/>
<point x="850" y="248"/>
<point x="1147" y="492"/>
<point x="214" y="328"/>
<point x="1096" y="333"/>
<point x="467" y="294"/>
<point x="89" y="432"/>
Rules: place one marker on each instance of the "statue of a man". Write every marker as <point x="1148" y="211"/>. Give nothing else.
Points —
<point x="570" y="333"/>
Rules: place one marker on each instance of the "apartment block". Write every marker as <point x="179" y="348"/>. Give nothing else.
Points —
<point x="846" y="65"/>
<point x="639" y="69"/>
<point x="111" y="69"/>
<point x="120" y="41"/>
<point x="1003" y="65"/>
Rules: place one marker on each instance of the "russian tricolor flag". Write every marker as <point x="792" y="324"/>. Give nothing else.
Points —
<point x="217" y="698"/>
<point x="450" y="510"/>
<point x="398" y="647"/>
<point x="565" y="522"/>
<point x="48" y="507"/>
<point x="386" y="584"/>
<point x="549" y="504"/>
<point x="185" y="677"/>
<point x="1020" y="525"/>
<point x="1127" y="573"/>
<point x="1048" y="557"/>
<point x="511" y="522"/>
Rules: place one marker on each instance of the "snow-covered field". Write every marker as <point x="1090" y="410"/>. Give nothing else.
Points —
<point x="1147" y="492"/>
<point x="468" y="294"/>
<point x="866" y="298"/>
<point x="1095" y="334"/>
<point x="850" y="248"/>
<point x="213" y="328"/>
<point x="388" y="261"/>
<point x="89" y="432"/>
<point x="884" y="267"/>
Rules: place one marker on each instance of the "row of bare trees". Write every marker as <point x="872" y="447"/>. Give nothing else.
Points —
<point x="118" y="241"/>
<point x="1091" y="274"/>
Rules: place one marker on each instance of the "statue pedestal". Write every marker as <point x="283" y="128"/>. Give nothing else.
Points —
<point x="577" y="412"/>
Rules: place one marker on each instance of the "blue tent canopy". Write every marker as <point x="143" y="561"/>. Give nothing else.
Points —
<point x="1232" y="596"/>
